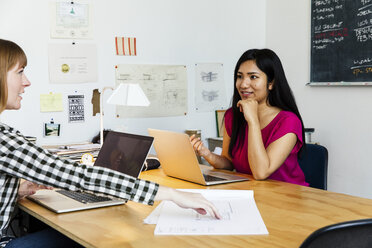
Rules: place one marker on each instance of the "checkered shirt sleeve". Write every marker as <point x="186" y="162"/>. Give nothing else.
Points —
<point x="22" y="159"/>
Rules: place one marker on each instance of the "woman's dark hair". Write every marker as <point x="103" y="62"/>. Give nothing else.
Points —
<point x="280" y="95"/>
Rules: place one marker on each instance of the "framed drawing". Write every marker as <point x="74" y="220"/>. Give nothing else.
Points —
<point x="220" y="122"/>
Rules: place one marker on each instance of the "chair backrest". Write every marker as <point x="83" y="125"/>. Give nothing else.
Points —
<point x="314" y="164"/>
<point x="351" y="234"/>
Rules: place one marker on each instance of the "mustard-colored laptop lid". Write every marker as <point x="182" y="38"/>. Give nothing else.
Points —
<point x="176" y="155"/>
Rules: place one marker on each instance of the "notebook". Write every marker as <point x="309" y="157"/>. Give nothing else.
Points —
<point x="178" y="159"/>
<point x="122" y="152"/>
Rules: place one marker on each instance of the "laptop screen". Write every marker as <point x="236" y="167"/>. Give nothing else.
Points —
<point x="124" y="152"/>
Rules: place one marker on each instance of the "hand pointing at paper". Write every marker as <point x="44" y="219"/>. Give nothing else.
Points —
<point x="188" y="200"/>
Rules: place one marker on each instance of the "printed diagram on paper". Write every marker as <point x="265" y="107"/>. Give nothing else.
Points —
<point x="76" y="108"/>
<point x="210" y="92"/>
<point x="164" y="85"/>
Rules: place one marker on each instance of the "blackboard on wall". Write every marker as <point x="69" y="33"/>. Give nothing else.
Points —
<point x="341" y="42"/>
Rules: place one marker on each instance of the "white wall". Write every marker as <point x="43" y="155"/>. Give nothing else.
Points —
<point x="188" y="32"/>
<point x="180" y="32"/>
<point x="341" y="116"/>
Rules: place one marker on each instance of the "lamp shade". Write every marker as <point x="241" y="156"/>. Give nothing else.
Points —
<point x="128" y="95"/>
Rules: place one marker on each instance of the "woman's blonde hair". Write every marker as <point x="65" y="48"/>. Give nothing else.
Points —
<point x="10" y="55"/>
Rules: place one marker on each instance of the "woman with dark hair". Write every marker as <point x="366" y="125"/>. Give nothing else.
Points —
<point x="22" y="159"/>
<point x="264" y="132"/>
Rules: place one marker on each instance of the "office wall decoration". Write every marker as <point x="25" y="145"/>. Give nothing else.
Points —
<point x="72" y="63"/>
<point x="341" y="42"/>
<point x="71" y="20"/>
<point x="210" y="93"/>
<point x="164" y="85"/>
<point x="52" y="129"/>
<point x="126" y="46"/>
<point x="51" y="102"/>
<point x="95" y="101"/>
<point x="76" y="108"/>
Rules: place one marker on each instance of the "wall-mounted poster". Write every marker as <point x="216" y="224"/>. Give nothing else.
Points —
<point x="72" y="63"/>
<point x="76" y="108"/>
<point x="164" y="85"/>
<point x="69" y="20"/>
<point x="209" y="87"/>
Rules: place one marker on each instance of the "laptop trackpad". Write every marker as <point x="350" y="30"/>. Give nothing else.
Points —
<point x="48" y="196"/>
<point x="220" y="174"/>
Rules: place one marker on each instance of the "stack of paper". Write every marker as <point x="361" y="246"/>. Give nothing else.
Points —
<point x="240" y="216"/>
<point x="75" y="151"/>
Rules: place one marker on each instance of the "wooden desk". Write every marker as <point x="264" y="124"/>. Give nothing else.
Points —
<point x="290" y="213"/>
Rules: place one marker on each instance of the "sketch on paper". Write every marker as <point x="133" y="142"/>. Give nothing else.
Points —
<point x="209" y="87"/>
<point x="210" y="96"/>
<point x="164" y="85"/>
<point x="208" y="76"/>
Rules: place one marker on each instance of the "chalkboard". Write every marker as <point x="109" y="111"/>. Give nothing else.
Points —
<point x="341" y="42"/>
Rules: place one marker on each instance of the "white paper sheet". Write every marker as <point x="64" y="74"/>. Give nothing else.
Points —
<point x="155" y="214"/>
<point x="69" y="19"/>
<point x="164" y="85"/>
<point x="210" y="92"/>
<point x="72" y="63"/>
<point x="240" y="216"/>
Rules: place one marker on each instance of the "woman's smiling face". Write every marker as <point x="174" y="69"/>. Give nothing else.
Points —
<point x="251" y="82"/>
<point x="16" y="83"/>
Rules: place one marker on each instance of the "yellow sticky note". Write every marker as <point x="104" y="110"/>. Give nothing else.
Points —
<point x="51" y="102"/>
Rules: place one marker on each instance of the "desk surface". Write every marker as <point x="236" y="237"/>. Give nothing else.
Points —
<point x="290" y="213"/>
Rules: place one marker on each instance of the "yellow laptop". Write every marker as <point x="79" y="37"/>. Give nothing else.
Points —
<point x="178" y="159"/>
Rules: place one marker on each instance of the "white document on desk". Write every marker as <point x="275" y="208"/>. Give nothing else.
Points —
<point x="240" y="216"/>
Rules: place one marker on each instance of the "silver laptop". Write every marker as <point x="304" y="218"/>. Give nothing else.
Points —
<point x="178" y="159"/>
<point x="122" y="152"/>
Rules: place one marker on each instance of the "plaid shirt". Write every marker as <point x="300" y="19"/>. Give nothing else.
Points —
<point x="22" y="159"/>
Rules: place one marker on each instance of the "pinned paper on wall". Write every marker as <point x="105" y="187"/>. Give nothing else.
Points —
<point x="51" y="102"/>
<point x="72" y="63"/>
<point x="209" y="87"/>
<point x="69" y="19"/>
<point x="76" y="108"/>
<point x="164" y="85"/>
<point x="126" y="46"/>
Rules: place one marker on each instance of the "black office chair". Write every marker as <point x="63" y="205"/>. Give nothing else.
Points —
<point x="314" y="164"/>
<point x="350" y="234"/>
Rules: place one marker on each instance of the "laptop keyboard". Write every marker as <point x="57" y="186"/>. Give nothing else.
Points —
<point x="209" y="178"/>
<point x="83" y="197"/>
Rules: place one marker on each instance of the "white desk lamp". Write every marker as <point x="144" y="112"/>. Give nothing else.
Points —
<point x="125" y="95"/>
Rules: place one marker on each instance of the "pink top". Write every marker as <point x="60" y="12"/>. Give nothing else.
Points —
<point x="283" y="123"/>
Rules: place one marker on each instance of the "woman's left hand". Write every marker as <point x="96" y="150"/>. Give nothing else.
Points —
<point x="27" y="188"/>
<point x="249" y="108"/>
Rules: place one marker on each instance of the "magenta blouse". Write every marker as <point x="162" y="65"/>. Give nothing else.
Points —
<point x="283" y="123"/>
